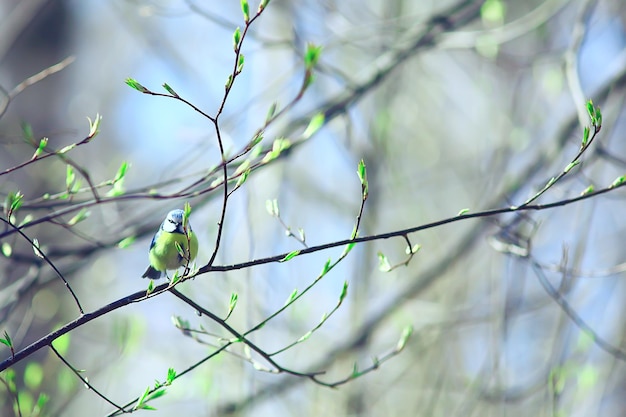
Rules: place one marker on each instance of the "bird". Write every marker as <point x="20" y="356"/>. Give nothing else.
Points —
<point x="164" y="253"/>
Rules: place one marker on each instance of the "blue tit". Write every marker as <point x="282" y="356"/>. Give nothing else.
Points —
<point x="164" y="253"/>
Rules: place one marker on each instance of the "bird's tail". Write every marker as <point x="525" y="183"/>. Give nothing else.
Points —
<point x="152" y="273"/>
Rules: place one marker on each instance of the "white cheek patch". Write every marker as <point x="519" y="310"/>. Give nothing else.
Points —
<point x="169" y="226"/>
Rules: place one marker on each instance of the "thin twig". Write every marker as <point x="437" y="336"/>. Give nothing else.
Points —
<point x="84" y="380"/>
<point x="48" y="261"/>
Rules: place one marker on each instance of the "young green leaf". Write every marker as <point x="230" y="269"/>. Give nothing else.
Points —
<point x="126" y="242"/>
<point x="588" y="190"/>
<point x="7" y="340"/>
<point x="13" y="201"/>
<point x="234" y="297"/>
<point x="79" y="217"/>
<point x="170" y="90"/>
<point x="236" y="38"/>
<point x="121" y="171"/>
<point x="7" y="250"/>
<point x="279" y="145"/>
<point x="243" y="167"/>
<point x="272" y="207"/>
<point x="311" y="56"/>
<point x="571" y="165"/>
<point x="27" y="219"/>
<point x="117" y="189"/>
<point x="42" y="400"/>
<point x="347" y="248"/>
<point x="292" y="297"/>
<point x="180" y="323"/>
<point x="591" y="110"/>
<point x="171" y="376"/>
<point x="258" y="137"/>
<point x="598" y="117"/>
<point x="42" y="145"/>
<point x="242" y="178"/>
<point x="585" y="136"/>
<point x="27" y="133"/>
<point x="76" y="187"/>
<point x="383" y="262"/>
<point x="245" y="8"/>
<point x="412" y="250"/>
<point x="142" y="399"/>
<point x="66" y="149"/>
<point x="260" y="367"/>
<point x="327" y="267"/>
<point x="175" y="278"/>
<point x="263" y="5"/>
<point x="618" y="181"/>
<point x="150" y="287"/>
<point x="240" y="63"/>
<point x="94" y="126"/>
<point x="70" y="177"/>
<point x="36" y="248"/>
<point x="305" y="336"/>
<point x="271" y="112"/>
<point x="132" y="83"/>
<point x="118" y="181"/>
<point x="323" y="319"/>
<point x="404" y="338"/>
<point x="362" y="173"/>
<point x="314" y="125"/>
<point x="344" y="292"/>
<point x="290" y="256"/>
<point x="463" y="211"/>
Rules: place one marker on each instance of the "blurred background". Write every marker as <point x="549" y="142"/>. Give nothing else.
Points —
<point x="452" y="105"/>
